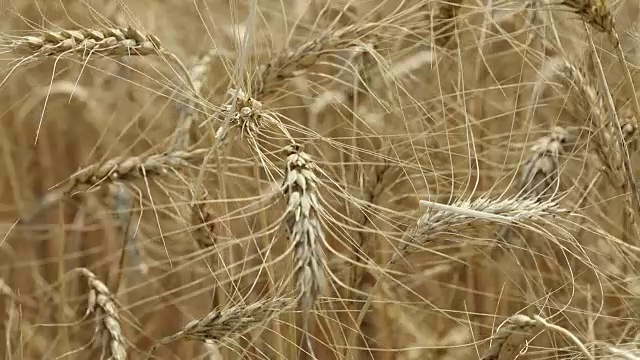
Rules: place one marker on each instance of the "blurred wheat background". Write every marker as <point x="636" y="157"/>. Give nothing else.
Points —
<point x="319" y="179"/>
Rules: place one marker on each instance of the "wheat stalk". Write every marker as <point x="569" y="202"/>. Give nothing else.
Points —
<point x="303" y="225"/>
<point x="222" y="325"/>
<point x="107" y="319"/>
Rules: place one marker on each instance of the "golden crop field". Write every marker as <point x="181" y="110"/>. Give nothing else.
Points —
<point x="319" y="179"/>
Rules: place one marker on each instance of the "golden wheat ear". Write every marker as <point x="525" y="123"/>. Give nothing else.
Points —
<point x="101" y="303"/>
<point x="226" y="324"/>
<point x="303" y="224"/>
<point x="106" y="42"/>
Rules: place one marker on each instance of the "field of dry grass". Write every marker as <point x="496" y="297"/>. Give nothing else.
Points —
<point x="319" y="179"/>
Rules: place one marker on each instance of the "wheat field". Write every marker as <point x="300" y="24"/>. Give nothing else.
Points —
<point x="319" y="179"/>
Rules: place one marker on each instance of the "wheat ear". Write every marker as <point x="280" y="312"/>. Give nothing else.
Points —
<point x="514" y="334"/>
<point x="230" y="323"/>
<point x="597" y="14"/>
<point x="293" y="62"/>
<point x="107" y="319"/>
<point x="303" y="225"/>
<point x="107" y="42"/>
<point x="444" y="217"/>
<point x="110" y="42"/>
<point x="539" y="177"/>
<point x="118" y="169"/>
<point x="609" y="150"/>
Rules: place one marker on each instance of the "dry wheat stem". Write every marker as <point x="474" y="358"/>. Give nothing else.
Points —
<point x="535" y="21"/>
<point x="107" y="319"/>
<point x="233" y="322"/>
<point x="303" y="225"/>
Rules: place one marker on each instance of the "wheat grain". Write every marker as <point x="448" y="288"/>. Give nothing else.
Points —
<point x="221" y="325"/>
<point x="629" y="128"/>
<point x="303" y="225"/>
<point x="107" y="319"/>
<point x="246" y="114"/>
